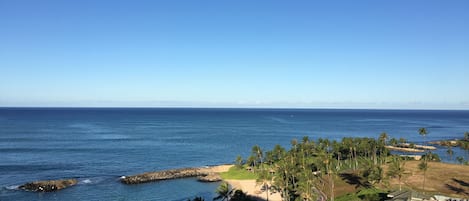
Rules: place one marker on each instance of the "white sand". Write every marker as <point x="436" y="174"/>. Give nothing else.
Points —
<point x="250" y="187"/>
<point x="215" y="169"/>
<point x="220" y="168"/>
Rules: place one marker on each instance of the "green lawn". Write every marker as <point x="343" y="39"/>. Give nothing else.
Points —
<point x="369" y="194"/>
<point x="236" y="173"/>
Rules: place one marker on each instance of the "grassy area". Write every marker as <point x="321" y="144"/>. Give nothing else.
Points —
<point x="236" y="173"/>
<point x="364" y="194"/>
<point x="441" y="178"/>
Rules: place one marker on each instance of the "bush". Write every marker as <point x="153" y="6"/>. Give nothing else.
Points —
<point x="372" y="194"/>
<point x="369" y="194"/>
<point x="431" y="157"/>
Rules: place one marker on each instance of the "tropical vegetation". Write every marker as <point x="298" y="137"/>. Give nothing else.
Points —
<point x="310" y="169"/>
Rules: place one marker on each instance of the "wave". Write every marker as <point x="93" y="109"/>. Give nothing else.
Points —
<point x="85" y="181"/>
<point x="12" y="187"/>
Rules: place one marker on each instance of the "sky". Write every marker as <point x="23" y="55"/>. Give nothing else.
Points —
<point x="396" y="54"/>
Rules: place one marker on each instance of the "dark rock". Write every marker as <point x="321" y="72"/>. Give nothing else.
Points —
<point x="211" y="177"/>
<point x="162" y="175"/>
<point x="48" y="186"/>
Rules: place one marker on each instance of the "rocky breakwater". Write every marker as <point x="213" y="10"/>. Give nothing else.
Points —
<point x="48" y="186"/>
<point x="210" y="177"/>
<point x="201" y="173"/>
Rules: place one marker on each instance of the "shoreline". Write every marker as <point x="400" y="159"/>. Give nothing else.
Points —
<point x="249" y="186"/>
<point x="253" y="189"/>
<point x="204" y="174"/>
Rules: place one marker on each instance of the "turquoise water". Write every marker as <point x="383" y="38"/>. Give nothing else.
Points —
<point x="98" y="145"/>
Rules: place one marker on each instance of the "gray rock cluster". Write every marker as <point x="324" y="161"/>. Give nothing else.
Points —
<point x="162" y="175"/>
<point x="48" y="186"/>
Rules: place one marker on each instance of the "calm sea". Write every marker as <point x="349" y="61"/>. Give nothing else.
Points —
<point x="98" y="145"/>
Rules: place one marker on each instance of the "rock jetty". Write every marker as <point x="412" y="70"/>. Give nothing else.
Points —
<point x="210" y="177"/>
<point x="48" y="186"/>
<point x="453" y="143"/>
<point x="163" y="175"/>
<point x="404" y="149"/>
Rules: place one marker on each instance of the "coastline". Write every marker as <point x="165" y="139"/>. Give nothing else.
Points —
<point x="250" y="186"/>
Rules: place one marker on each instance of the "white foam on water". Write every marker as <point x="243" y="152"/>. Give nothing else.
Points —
<point x="86" y="181"/>
<point x="13" y="187"/>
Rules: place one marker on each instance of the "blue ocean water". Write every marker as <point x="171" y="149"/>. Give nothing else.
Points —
<point x="98" y="145"/>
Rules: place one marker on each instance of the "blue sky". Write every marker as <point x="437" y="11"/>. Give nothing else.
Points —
<point x="317" y="54"/>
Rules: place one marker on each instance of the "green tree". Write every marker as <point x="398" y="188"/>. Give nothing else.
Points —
<point x="397" y="169"/>
<point x="423" y="166"/>
<point x="423" y="132"/>
<point x="264" y="179"/>
<point x="402" y="140"/>
<point x="450" y="152"/>
<point x="325" y="162"/>
<point x="393" y="141"/>
<point x="382" y="147"/>
<point x="258" y="154"/>
<point x="460" y="159"/>
<point x="224" y="192"/>
<point x="196" y="199"/>
<point x="373" y="173"/>
<point x="239" y="162"/>
<point x="239" y="195"/>
<point x="278" y="153"/>
<point x="251" y="161"/>
<point x="383" y="137"/>
<point x="465" y="146"/>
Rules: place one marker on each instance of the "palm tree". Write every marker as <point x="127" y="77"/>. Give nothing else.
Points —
<point x="460" y="159"/>
<point x="382" y="146"/>
<point x="264" y="178"/>
<point x="423" y="132"/>
<point x="239" y="162"/>
<point x="402" y="140"/>
<point x="325" y="162"/>
<point x="257" y="153"/>
<point x="251" y="161"/>
<point x="224" y="192"/>
<point x="393" y="141"/>
<point x="383" y="137"/>
<point x="450" y="152"/>
<point x="465" y="145"/>
<point x="396" y="169"/>
<point x="196" y="199"/>
<point x="423" y="166"/>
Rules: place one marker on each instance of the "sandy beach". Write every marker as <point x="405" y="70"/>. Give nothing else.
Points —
<point x="250" y="187"/>
<point x="218" y="168"/>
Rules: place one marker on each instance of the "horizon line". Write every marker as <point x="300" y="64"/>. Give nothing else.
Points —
<point x="225" y="107"/>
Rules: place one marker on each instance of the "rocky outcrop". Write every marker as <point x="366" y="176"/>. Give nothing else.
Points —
<point x="453" y="143"/>
<point x="211" y="177"/>
<point x="162" y="175"/>
<point x="404" y="149"/>
<point x="48" y="186"/>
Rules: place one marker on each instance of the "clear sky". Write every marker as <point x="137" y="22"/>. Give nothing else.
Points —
<point x="244" y="53"/>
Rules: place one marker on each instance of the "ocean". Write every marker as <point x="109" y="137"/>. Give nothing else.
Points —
<point x="98" y="145"/>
